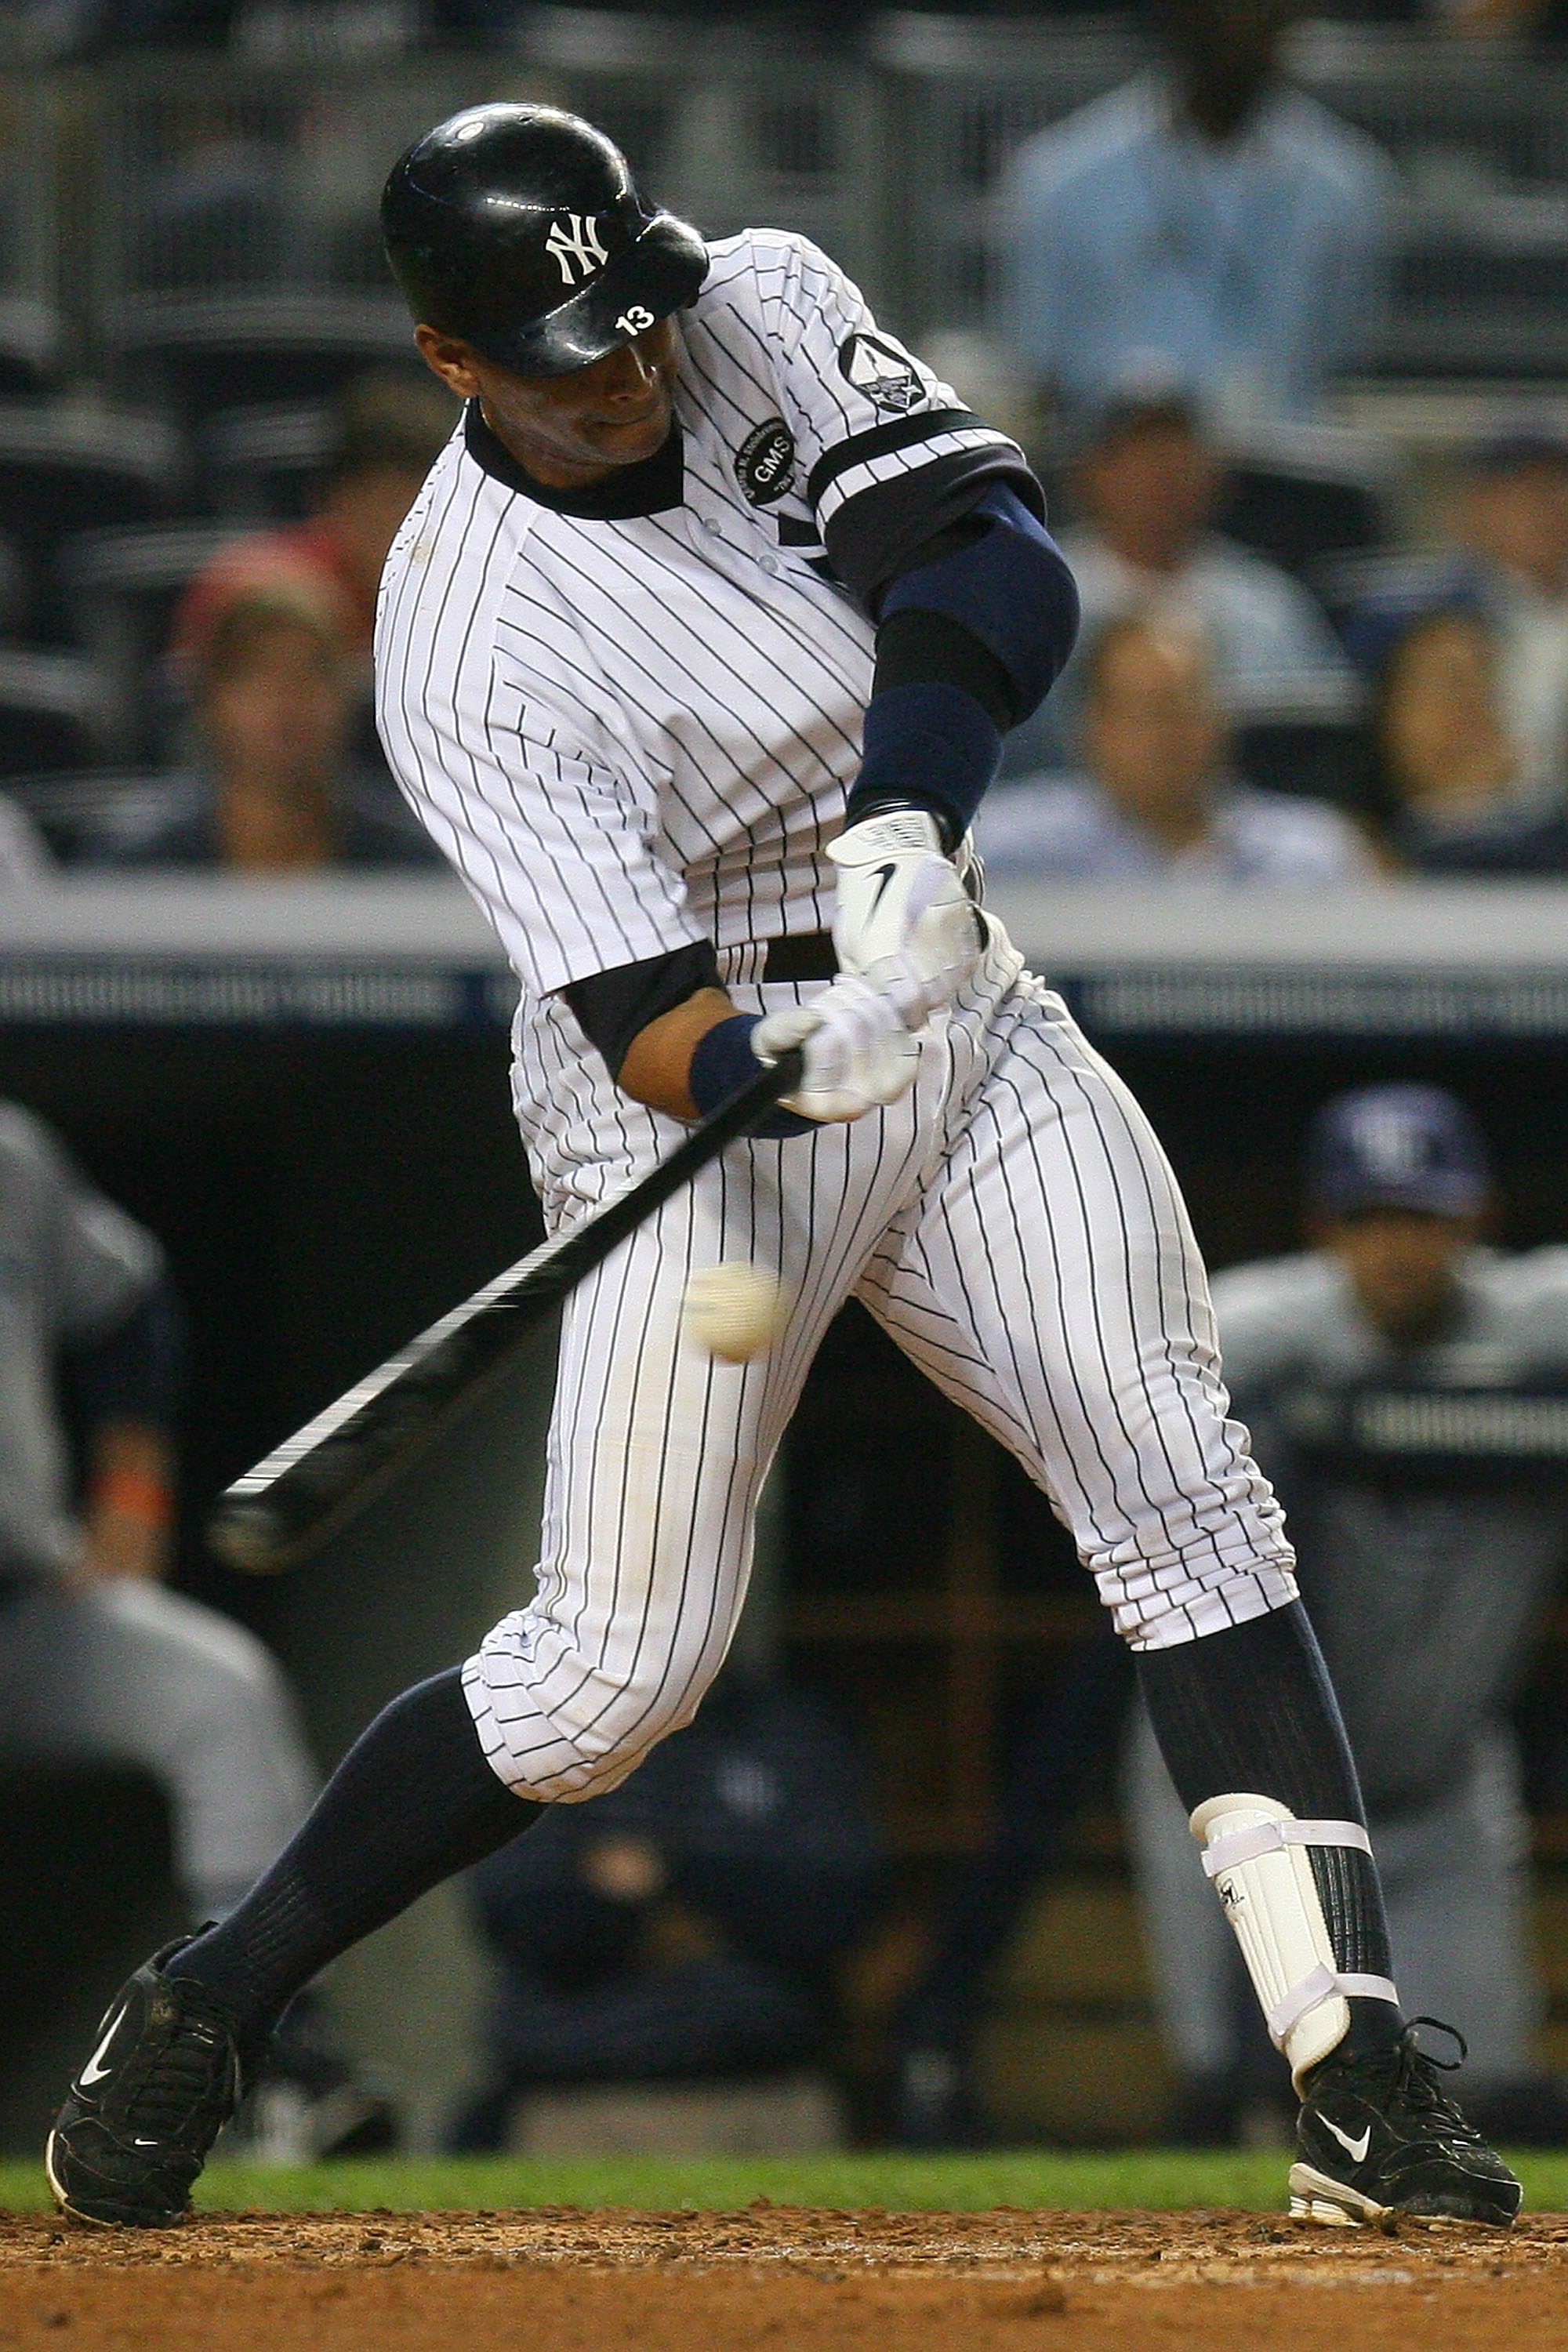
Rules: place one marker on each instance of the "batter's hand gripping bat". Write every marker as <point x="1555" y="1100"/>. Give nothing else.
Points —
<point x="317" y="1480"/>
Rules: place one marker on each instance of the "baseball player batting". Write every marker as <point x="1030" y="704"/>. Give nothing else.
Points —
<point x="695" y="655"/>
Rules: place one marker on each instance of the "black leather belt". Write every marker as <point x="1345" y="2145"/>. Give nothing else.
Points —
<point x="804" y="955"/>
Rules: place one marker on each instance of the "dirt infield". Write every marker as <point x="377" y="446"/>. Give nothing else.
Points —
<point x="778" y="2278"/>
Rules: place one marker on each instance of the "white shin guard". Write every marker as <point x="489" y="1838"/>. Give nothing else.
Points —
<point x="1255" y="1852"/>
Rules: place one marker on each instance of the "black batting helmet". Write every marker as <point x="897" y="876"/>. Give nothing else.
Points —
<point x="519" y="228"/>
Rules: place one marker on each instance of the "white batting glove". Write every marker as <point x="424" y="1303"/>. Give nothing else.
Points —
<point x="858" y="1050"/>
<point x="904" y="920"/>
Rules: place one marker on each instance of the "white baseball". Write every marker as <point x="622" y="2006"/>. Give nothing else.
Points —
<point x="733" y="1310"/>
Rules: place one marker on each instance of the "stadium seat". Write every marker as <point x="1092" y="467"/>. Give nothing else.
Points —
<point x="29" y="341"/>
<point x="1325" y="760"/>
<point x="261" y="460"/>
<point x="68" y="466"/>
<point x="125" y="584"/>
<point x="1298" y="518"/>
<point x="85" y="814"/>
<point x="56" y="710"/>
<point x="220" y="347"/>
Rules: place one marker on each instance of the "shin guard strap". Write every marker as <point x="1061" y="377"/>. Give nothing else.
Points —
<point x="1259" y="1859"/>
<point x="1319" y="1985"/>
<point x="1269" y="1837"/>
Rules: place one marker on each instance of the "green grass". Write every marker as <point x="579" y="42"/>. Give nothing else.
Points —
<point x="1149" y="2177"/>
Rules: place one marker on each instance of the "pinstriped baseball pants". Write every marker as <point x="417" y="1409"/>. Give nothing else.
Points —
<point x="1014" y="1226"/>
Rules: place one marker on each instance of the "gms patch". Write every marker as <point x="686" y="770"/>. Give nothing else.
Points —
<point x="879" y="368"/>
<point x="764" y="462"/>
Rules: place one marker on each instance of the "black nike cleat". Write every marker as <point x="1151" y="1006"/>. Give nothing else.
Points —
<point x="1378" y="2138"/>
<point x="135" y="2129"/>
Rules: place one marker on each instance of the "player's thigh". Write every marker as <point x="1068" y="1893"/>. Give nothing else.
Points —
<point x="657" y="1454"/>
<point x="652" y="1438"/>
<point x="128" y="1668"/>
<point x="1048" y="1281"/>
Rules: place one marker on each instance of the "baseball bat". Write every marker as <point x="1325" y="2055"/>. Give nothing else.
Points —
<point x="319" y="1478"/>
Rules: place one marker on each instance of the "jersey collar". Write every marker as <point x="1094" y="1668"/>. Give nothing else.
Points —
<point x="649" y="488"/>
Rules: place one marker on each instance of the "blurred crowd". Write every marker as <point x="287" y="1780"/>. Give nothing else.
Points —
<point x="1289" y="675"/>
<point x="91" y="26"/>
<point x="1297" y="666"/>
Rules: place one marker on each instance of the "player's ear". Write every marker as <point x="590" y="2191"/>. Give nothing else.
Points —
<point x="451" y="357"/>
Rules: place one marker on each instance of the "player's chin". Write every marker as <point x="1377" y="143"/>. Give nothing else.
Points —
<point x="628" y="443"/>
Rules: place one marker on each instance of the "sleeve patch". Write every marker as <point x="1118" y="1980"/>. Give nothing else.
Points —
<point x="878" y="370"/>
<point x="764" y="463"/>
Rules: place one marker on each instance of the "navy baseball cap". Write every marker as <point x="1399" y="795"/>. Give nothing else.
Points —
<point x="1397" y="1147"/>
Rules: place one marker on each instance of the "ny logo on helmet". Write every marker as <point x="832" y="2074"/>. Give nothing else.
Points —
<point x="574" y="242"/>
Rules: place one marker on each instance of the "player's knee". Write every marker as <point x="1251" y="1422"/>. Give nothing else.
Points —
<point x="1161" y="1613"/>
<point x="576" y="1731"/>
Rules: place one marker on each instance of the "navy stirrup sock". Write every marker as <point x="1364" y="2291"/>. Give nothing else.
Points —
<point x="412" y="1802"/>
<point x="1252" y="1709"/>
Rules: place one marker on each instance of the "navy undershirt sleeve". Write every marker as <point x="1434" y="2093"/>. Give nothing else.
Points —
<point x="613" y="1007"/>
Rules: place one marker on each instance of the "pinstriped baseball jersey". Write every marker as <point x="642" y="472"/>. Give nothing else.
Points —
<point x="631" y="716"/>
<point x="632" y="734"/>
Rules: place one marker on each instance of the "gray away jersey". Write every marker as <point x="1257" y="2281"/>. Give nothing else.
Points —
<point x="1427" y="1492"/>
<point x="72" y="1266"/>
<point x="630" y="735"/>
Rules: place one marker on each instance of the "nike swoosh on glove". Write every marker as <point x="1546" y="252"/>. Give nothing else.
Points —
<point x="858" y="1047"/>
<point x="903" y="920"/>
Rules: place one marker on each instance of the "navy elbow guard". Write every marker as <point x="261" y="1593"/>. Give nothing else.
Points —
<point x="1011" y="588"/>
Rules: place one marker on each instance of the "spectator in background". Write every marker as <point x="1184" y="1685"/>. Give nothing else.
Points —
<point x="97" y="1656"/>
<point x="1157" y="802"/>
<point x="1499" y="20"/>
<point x="1512" y="519"/>
<point x="274" y="790"/>
<point x="1147" y="482"/>
<point x="1206" y="220"/>
<point x="393" y="428"/>
<point x="1458" y="790"/>
<point x="1405" y="1387"/>
<point x="690" y="1922"/>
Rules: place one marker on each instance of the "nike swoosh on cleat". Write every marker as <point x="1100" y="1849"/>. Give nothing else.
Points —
<point x="1354" y="2148"/>
<point x="93" y="2072"/>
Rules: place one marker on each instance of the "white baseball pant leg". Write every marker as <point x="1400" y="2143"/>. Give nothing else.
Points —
<point x="1047" y="1279"/>
<point x="1013" y="1224"/>
<point x="658" y="1452"/>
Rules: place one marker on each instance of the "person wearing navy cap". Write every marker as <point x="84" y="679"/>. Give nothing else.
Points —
<point x="1407" y="1386"/>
